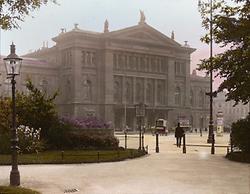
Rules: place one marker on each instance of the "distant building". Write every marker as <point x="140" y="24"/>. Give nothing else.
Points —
<point x="230" y="113"/>
<point x="106" y="74"/>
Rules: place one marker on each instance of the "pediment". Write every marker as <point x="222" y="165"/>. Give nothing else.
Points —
<point x="143" y="33"/>
<point x="141" y="36"/>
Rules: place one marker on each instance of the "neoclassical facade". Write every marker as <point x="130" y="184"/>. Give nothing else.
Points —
<point x="230" y="112"/>
<point x="106" y="74"/>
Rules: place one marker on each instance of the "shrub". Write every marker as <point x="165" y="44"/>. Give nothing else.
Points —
<point x="58" y="135"/>
<point x="241" y="134"/>
<point x="5" y="143"/>
<point x="29" y="139"/>
<point x="82" y="141"/>
<point x="239" y="157"/>
<point x="62" y="135"/>
<point x="86" y="123"/>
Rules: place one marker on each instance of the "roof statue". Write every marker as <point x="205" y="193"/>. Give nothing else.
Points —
<point x="172" y="35"/>
<point x="106" y="26"/>
<point x="142" y="18"/>
<point x="194" y="72"/>
<point x="186" y="44"/>
<point x="76" y="26"/>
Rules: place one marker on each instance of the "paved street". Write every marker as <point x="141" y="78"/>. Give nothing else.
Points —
<point x="167" y="172"/>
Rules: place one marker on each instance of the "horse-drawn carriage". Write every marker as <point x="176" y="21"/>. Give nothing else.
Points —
<point x="161" y="127"/>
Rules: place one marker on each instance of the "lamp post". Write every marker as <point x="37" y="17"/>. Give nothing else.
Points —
<point x="211" y="94"/>
<point x="140" y="113"/>
<point x="13" y="65"/>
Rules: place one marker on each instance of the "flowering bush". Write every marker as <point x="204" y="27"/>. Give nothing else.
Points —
<point x="86" y="123"/>
<point x="29" y="139"/>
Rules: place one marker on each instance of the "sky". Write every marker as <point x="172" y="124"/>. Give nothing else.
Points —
<point x="181" y="16"/>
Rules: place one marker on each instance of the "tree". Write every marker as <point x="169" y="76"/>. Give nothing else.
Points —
<point x="5" y="115"/>
<point x="14" y="11"/>
<point x="231" y="30"/>
<point x="36" y="109"/>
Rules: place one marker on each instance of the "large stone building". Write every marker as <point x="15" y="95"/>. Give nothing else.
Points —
<point x="230" y="112"/>
<point x="106" y="74"/>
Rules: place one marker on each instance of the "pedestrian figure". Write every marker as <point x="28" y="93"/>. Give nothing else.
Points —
<point x="179" y="132"/>
<point x="201" y="132"/>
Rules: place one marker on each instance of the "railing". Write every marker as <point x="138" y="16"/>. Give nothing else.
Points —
<point x="99" y="156"/>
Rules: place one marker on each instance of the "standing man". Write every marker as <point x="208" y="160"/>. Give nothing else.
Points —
<point x="178" y="135"/>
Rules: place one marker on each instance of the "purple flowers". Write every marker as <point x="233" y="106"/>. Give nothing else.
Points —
<point x="85" y="123"/>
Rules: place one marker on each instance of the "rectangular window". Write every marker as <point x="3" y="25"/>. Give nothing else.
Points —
<point x="115" y="61"/>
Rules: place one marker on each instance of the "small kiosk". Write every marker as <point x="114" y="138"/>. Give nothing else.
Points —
<point x="220" y="123"/>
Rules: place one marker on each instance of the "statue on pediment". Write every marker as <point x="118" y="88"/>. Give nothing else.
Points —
<point x="172" y="35"/>
<point x="142" y="18"/>
<point x="106" y="26"/>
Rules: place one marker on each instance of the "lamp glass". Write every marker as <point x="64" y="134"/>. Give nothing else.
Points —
<point x="13" y="66"/>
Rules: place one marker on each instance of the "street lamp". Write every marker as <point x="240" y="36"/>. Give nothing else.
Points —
<point x="211" y="94"/>
<point x="140" y="112"/>
<point x="13" y="65"/>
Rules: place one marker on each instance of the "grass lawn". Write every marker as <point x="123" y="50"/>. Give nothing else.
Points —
<point x="73" y="156"/>
<point x="16" y="190"/>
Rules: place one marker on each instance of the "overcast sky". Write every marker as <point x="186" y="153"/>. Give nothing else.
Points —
<point x="182" y="16"/>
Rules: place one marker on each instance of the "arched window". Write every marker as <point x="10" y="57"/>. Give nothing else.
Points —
<point x="177" y="96"/>
<point x="201" y="98"/>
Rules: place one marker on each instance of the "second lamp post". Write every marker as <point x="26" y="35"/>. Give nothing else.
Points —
<point x="140" y="113"/>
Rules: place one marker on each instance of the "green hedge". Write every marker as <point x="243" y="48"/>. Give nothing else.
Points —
<point x="241" y="134"/>
<point x="61" y="137"/>
<point x="239" y="157"/>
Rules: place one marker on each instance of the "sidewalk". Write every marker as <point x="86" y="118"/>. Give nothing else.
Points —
<point x="167" y="172"/>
